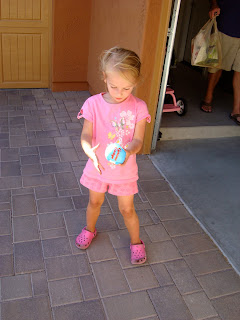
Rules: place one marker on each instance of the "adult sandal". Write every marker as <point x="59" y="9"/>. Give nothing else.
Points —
<point x="85" y="238"/>
<point x="138" y="253"/>
<point x="234" y="118"/>
<point x="206" y="104"/>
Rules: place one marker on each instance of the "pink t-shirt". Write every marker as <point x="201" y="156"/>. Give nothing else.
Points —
<point x="113" y="123"/>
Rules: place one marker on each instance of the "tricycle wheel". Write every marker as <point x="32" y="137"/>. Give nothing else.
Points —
<point x="183" y="107"/>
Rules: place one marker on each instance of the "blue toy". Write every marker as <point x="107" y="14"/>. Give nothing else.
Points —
<point x="115" y="153"/>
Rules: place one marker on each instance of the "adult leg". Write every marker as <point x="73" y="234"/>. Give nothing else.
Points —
<point x="126" y="207"/>
<point x="96" y="200"/>
<point x="213" y="79"/>
<point x="236" y="94"/>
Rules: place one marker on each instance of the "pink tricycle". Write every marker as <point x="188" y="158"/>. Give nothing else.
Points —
<point x="176" y="105"/>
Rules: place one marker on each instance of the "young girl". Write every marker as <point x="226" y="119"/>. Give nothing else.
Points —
<point x="109" y="117"/>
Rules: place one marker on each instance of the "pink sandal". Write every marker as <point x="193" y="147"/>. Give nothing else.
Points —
<point x="138" y="253"/>
<point x="85" y="238"/>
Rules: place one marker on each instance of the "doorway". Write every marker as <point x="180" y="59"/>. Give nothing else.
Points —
<point x="25" y="46"/>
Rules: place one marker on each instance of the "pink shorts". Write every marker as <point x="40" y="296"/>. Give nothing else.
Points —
<point x="124" y="189"/>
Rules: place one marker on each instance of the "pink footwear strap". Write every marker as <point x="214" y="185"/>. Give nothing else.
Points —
<point x="88" y="233"/>
<point x="137" y="246"/>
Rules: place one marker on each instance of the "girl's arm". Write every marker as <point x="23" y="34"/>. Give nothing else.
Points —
<point x="86" y="142"/>
<point x="136" y="144"/>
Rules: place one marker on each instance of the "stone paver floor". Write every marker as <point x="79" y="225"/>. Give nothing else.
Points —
<point x="44" y="276"/>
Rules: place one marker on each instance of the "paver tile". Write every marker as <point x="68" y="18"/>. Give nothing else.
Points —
<point x="28" y="257"/>
<point x="162" y="275"/>
<point x="5" y="195"/>
<point x="154" y="185"/>
<point x="63" y="142"/>
<point x="88" y="287"/>
<point x="57" y="167"/>
<point x="18" y="141"/>
<point x="172" y="212"/>
<point x="29" y="309"/>
<point x="119" y="238"/>
<point x="69" y="192"/>
<point x="101" y="249"/>
<point x="46" y="192"/>
<point x="87" y="310"/>
<point x="43" y="142"/>
<point x="47" y="133"/>
<point x="22" y="191"/>
<point x="17" y="131"/>
<point x="4" y="143"/>
<point x="54" y="204"/>
<point x="24" y="205"/>
<point x="48" y="151"/>
<point x="110" y="278"/>
<point x="39" y="283"/>
<point x="182" y="227"/>
<point x="25" y="228"/>
<point x="24" y="151"/>
<point x="106" y="223"/>
<point x="38" y="180"/>
<point x="6" y="246"/>
<point x="169" y="304"/>
<point x="207" y="262"/>
<point x="10" y="183"/>
<point x="31" y="169"/>
<point x="141" y="278"/>
<point x="143" y="216"/>
<point x="183" y="276"/>
<point x="5" y="206"/>
<point x="199" y="305"/>
<point x="16" y="287"/>
<point x="53" y="233"/>
<point x="157" y="233"/>
<point x="228" y="307"/>
<point x="65" y="291"/>
<point x="5" y="222"/>
<point x="6" y="265"/>
<point x="56" y="247"/>
<point x="147" y="171"/>
<point x="154" y="216"/>
<point x="81" y="202"/>
<point x="10" y="169"/>
<point x="194" y="243"/>
<point x="67" y="267"/>
<point x="135" y="305"/>
<point x="162" y="251"/>
<point x="162" y="198"/>
<point x="220" y="283"/>
<point x="51" y="220"/>
<point x="30" y="159"/>
<point x="69" y="154"/>
<point x="66" y="180"/>
<point x="75" y="221"/>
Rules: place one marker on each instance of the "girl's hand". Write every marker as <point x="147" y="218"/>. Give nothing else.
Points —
<point x="94" y="158"/>
<point x="128" y="153"/>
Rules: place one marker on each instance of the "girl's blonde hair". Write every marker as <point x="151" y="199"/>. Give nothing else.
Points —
<point x="123" y="60"/>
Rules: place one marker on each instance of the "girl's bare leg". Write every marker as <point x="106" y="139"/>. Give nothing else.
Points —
<point x="96" y="200"/>
<point x="126" y="207"/>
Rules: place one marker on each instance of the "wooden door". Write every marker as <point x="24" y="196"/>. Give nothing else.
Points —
<point x="24" y="43"/>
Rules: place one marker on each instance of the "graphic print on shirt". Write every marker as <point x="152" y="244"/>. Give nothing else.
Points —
<point x="121" y="129"/>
